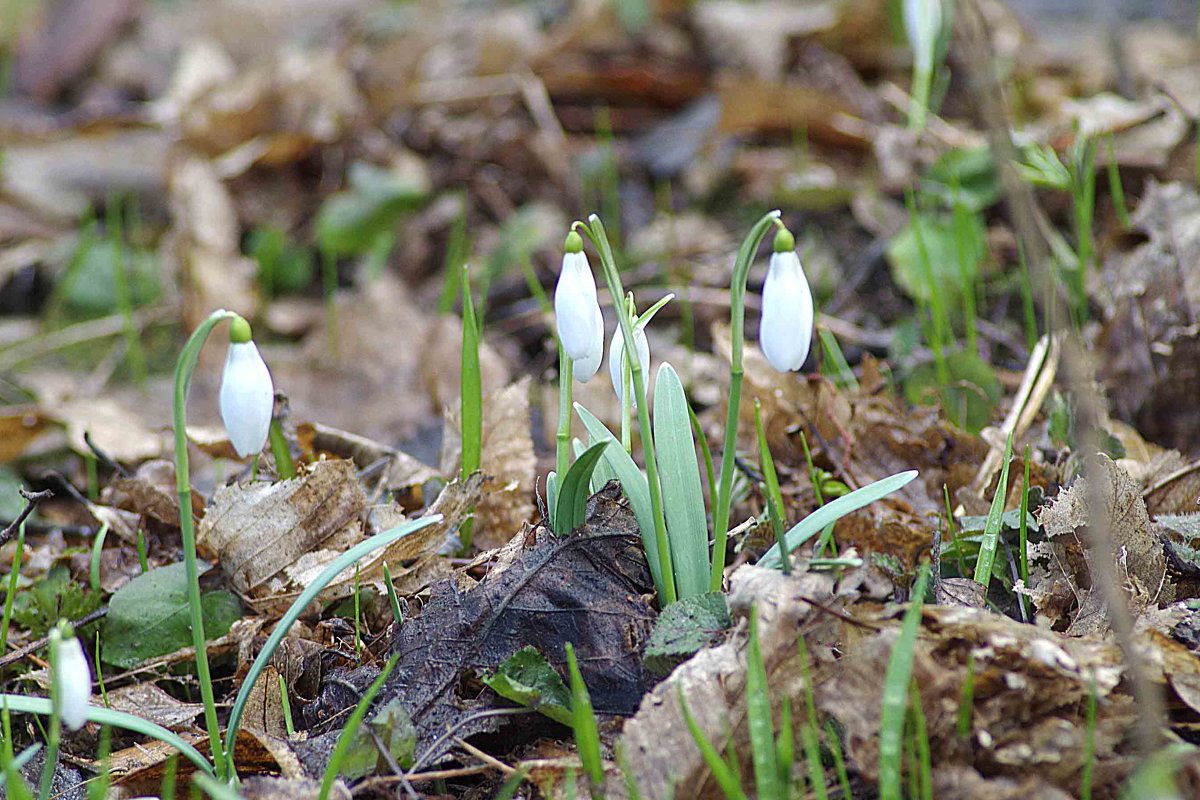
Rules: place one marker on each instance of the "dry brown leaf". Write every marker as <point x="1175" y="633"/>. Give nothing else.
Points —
<point x="1059" y="569"/>
<point x="264" y="706"/>
<point x="258" y="531"/>
<point x="151" y="491"/>
<point x="19" y="427"/>
<point x="151" y="703"/>
<point x="206" y="244"/>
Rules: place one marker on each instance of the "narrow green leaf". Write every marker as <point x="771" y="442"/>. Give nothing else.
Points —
<point x="683" y="496"/>
<point x="620" y="465"/>
<point x="724" y="775"/>
<point x="573" y="490"/>
<point x="301" y="603"/>
<point x="991" y="531"/>
<point x="770" y="486"/>
<point x="587" y="733"/>
<point x="835" y="510"/>
<point x="759" y="720"/>
<point x="346" y="738"/>
<point x="118" y="719"/>
<point x="895" y="694"/>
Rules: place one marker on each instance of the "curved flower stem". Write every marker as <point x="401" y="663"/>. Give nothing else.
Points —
<point x="595" y="232"/>
<point x="737" y="333"/>
<point x="183" y="378"/>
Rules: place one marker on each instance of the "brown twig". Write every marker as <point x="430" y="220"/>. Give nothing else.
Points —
<point x="1076" y="363"/>
<point x="31" y="501"/>
<point x="34" y="646"/>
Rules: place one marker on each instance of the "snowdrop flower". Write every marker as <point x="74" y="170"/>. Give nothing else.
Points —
<point x="247" y="394"/>
<point x="72" y="678"/>
<point x="616" y="362"/>
<point x="785" y="330"/>
<point x="922" y="26"/>
<point x="577" y="311"/>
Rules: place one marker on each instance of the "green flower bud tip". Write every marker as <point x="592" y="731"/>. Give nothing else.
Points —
<point x="574" y="243"/>
<point x="784" y="241"/>
<point x="239" y="331"/>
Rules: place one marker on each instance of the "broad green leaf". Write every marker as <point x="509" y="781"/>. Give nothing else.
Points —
<point x="390" y="725"/>
<point x="969" y="174"/>
<point x="526" y="678"/>
<point x="679" y="473"/>
<point x="91" y="287"/>
<point x="834" y="510"/>
<point x="283" y="266"/>
<point x="350" y="221"/>
<point x="970" y="396"/>
<point x="939" y="237"/>
<point x="571" y="503"/>
<point x="149" y="616"/>
<point x="684" y="627"/>
<point x="618" y="464"/>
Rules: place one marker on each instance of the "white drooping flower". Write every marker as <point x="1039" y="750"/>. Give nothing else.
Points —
<point x="247" y="394"/>
<point x="922" y="26"/>
<point x="584" y="368"/>
<point x="577" y="311"/>
<point x="616" y="366"/>
<point x="785" y="330"/>
<point x="72" y="681"/>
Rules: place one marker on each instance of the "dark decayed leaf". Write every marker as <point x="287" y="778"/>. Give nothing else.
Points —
<point x="149" y="616"/>
<point x="544" y="591"/>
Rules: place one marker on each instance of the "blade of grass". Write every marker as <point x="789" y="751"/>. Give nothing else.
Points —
<point x="1024" y="535"/>
<point x="583" y="720"/>
<point x="841" y="374"/>
<point x="346" y="737"/>
<point x="1115" y="189"/>
<point x="839" y="762"/>
<point x="722" y="773"/>
<point x="393" y="600"/>
<point x="921" y="740"/>
<point x="11" y="595"/>
<point x="991" y="529"/>
<point x="785" y="746"/>
<point x="94" y="561"/>
<point x="299" y="605"/>
<point x="834" y="510"/>
<point x="509" y="789"/>
<point x="895" y="694"/>
<point x="758" y="718"/>
<point x="771" y="486"/>
<point x="809" y="733"/>
<point x="470" y="399"/>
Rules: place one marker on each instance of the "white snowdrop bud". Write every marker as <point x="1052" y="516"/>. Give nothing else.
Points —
<point x="584" y="368"/>
<point x="72" y="679"/>
<point x="576" y="309"/>
<point x="616" y="366"/>
<point x="922" y="26"/>
<point x="785" y="330"/>
<point x="247" y="394"/>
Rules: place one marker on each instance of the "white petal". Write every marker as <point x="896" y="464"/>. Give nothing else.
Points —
<point x="247" y="398"/>
<point x="73" y="677"/>
<point x="584" y="368"/>
<point x="922" y="24"/>
<point x="616" y="355"/>
<point x="574" y="301"/>
<point x="785" y="331"/>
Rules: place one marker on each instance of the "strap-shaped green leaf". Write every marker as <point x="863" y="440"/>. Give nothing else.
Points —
<point x="571" y="503"/>
<point x="679" y="472"/>
<point x="620" y="465"/>
<point x="833" y="511"/>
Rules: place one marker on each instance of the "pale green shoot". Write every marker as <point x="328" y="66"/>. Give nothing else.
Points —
<point x="896" y="694"/>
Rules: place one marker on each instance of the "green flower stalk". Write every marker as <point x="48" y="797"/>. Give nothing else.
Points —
<point x="595" y="231"/>
<point x="737" y="324"/>
<point x="246" y="392"/>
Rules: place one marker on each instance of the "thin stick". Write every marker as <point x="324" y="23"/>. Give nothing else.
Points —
<point x="1076" y="363"/>
<point x="31" y="501"/>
